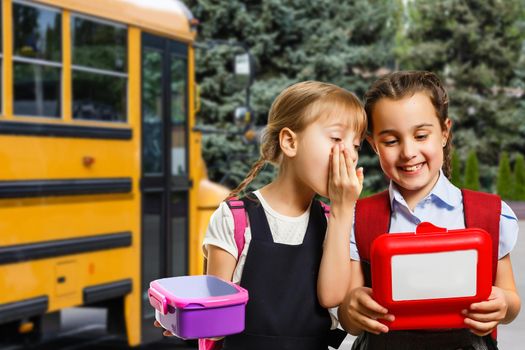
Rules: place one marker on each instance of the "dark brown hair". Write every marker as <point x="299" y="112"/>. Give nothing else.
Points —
<point x="401" y="84"/>
<point x="296" y="107"/>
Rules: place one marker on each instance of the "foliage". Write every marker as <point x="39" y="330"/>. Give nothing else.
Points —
<point x="455" y="177"/>
<point x="504" y="185"/>
<point x="519" y="178"/>
<point x="476" y="46"/>
<point x="472" y="172"/>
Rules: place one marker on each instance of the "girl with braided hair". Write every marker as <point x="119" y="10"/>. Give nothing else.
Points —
<point x="295" y="262"/>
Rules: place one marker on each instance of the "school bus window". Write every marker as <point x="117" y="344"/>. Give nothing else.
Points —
<point x="37" y="60"/>
<point x="99" y="97"/>
<point x="179" y="74"/>
<point x="99" y="44"/>
<point x="99" y="62"/>
<point x="153" y="153"/>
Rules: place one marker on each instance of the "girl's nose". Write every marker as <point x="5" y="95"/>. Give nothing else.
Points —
<point x="408" y="150"/>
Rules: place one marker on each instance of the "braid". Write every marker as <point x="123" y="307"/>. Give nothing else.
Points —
<point x="252" y="174"/>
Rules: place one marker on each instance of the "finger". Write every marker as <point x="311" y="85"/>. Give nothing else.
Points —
<point x="216" y="338"/>
<point x="371" y="325"/>
<point x="157" y="324"/>
<point x="377" y="316"/>
<point x="486" y="306"/>
<point x="371" y="305"/>
<point x="360" y="173"/>
<point x="343" y="172"/>
<point x="335" y="164"/>
<point x="484" y="317"/>
<point x="350" y="165"/>
<point x="330" y="170"/>
<point x="373" y="310"/>
<point x="480" y="328"/>
<point x="167" y="334"/>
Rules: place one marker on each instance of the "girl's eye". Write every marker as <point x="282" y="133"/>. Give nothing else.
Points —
<point x="421" y="137"/>
<point x="336" y="139"/>
<point x="389" y="142"/>
<point x="357" y="147"/>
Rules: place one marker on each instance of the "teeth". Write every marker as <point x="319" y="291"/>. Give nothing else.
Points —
<point x="412" y="168"/>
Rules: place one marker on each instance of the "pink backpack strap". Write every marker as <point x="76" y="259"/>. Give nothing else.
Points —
<point x="239" y="227"/>
<point x="208" y="344"/>
<point x="239" y="222"/>
<point x="326" y="208"/>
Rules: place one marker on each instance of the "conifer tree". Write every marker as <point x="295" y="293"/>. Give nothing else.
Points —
<point x="472" y="172"/>
<point x="504" y="181"/>
<point x="455" y="177"/>
<point x="519" y="178"/>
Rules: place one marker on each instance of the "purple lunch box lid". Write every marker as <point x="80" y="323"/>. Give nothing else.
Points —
<point x="194" y="292"/>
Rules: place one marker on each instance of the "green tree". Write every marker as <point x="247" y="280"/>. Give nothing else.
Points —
<point x="504" y="180"/>
<point x="455" y="177"/>
<point x="472" y="172"/>
<point x="519" y="178"/>
<point x="475" y="47"/>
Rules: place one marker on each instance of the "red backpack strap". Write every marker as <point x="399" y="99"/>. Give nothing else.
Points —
<point x="372" y="218"/>
<point x="483" y="210"/>
<point x="239" y="222"/>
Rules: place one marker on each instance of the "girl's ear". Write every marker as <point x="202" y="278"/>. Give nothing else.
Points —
<point x="370" y="140"/>
<point x="446" y="131"/>
<point x="288" y="142"/>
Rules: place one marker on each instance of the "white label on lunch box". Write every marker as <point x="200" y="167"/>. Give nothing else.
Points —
<point x="434" y="275"/>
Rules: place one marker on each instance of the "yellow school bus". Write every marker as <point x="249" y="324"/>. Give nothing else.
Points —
<point x="102" y="184"/>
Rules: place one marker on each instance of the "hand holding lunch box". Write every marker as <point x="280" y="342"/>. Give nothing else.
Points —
<point x="425" y="279"/>
<point x="193" y="307"/>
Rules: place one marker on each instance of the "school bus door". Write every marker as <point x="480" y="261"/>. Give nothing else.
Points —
<point x="165" y="182"/>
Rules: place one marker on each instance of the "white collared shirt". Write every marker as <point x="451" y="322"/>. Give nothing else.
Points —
<point x="442" y="207"/>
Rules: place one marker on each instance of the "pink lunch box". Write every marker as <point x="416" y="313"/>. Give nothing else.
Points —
<point x="193" y="307"/>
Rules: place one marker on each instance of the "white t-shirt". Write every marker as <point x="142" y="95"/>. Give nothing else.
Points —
<point x="285" y="230"/>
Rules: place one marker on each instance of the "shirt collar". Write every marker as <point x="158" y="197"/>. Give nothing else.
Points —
<point x="443" y="191"/>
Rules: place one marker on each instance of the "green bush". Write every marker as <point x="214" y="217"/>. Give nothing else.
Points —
<point x="455" y="176"/>
<point x="504" y="180"/>
<point x="519" y="178"/>
<point x="472" y="172"/>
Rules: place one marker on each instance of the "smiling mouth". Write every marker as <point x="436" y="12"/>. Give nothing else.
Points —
<point x="412" y="168"/>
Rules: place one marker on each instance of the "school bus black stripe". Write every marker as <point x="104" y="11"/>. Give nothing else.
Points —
<point x="63" y="187"/>
<point x="56" y="248"/>
<point x="58" y="130"/>
<point x="106" y="291"/>
<point x="23" y="309"/>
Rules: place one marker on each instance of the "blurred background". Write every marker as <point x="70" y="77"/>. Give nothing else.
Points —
<point x="124" y="123"/>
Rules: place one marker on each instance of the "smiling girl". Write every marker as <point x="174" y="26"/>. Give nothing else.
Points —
<point x="409" y="129"/>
